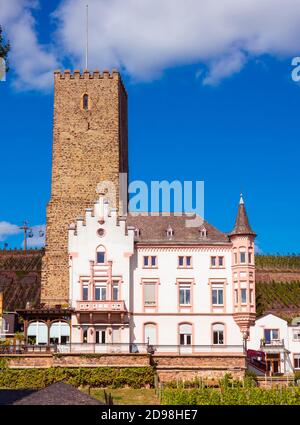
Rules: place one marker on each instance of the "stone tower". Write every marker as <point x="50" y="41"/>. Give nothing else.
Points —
<point x="90" y="145"/>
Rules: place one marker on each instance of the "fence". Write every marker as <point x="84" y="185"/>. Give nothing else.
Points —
<point x="120" y="348"/>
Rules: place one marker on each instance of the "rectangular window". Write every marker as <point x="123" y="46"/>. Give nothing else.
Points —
<point x="150" y="294"/>
<point x="271" y="335"/>
<point x="185" y="295"/>
<point x="236" y="296"/>
<point x="217" y="296"/>
<point x="185" y="339"/>
<point x="85" y="293"/>
<point x="296" y="334"/>
<point x="243" y="295"/>
<point x="251" y="296"/>
<point x="84" y="335"/>
<point x="213" y="261"/>
<point x="235" y="258"/>
<point x="100" y="336"/>
<point x="242" y="257"/>
<point x="100" y="257"/>
<point x="221" y="261"/>
<point x="100" y="293"/>
<point x="150" y="261"/>
<point x="115" y="291"/>
<point x="297" y="361"/>
<point x="184" y="261"/>
<point x="249" y="258"/>
<point x="218" y="337"/>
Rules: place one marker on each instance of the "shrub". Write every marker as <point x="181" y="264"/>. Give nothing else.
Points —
<point x="96" y="377"/>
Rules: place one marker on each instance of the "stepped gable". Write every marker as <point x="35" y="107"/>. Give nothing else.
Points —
<point x="20" y="278"/>
<point x="153" y="229"/>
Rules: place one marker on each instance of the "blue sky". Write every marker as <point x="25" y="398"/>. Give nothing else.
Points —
<point x="240" y="133"/>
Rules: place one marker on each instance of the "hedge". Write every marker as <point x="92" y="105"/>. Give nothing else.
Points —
<point x="230" y="396"/>
<point x="96" y="377"/>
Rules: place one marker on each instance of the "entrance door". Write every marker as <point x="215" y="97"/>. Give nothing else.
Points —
<point x="273" y="363"/>
<point x="100" y="336"/>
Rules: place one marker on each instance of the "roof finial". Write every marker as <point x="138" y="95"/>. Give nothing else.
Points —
<point x="241" y="199"/>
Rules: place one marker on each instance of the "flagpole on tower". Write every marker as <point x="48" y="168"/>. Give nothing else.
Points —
<point x="87" y="37"/>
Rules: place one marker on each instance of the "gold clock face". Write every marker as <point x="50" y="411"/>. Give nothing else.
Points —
<point x="2" y="69"/>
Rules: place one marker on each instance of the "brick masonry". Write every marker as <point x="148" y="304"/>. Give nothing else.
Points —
<point x="169" y="367"/>
<point x="89" y="146"/>
<point x="209" y="366"/>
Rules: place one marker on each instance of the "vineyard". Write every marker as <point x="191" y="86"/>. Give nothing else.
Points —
<point x="284" y="296"/>
<point x="275" y="262"/>
<point x="232" y="396"/>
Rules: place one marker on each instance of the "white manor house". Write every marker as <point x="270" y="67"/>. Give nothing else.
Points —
<point x="149" y="279"/>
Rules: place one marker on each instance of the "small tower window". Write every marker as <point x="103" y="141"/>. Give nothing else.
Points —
<point x="170" y="232"/>
<point x="85" y="102"/>
<point x="202" y="232"/>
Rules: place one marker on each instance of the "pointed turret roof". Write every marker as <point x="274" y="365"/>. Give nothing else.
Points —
<point x="242" y="226"/>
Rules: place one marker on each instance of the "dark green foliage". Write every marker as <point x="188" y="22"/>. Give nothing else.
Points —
<point x="96" y="377"/>
<point x="277" y="295"/>
<point x="231" y="396"/>
<point x="272" y="262"/>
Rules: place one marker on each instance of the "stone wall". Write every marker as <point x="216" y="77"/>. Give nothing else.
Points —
<point x="208" y="366"/>
<point x="169" y="367"/>
<point x="76" y="360"/>
<point x="89" y="146"/>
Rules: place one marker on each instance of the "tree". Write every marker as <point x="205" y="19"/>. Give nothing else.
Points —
<point x="4" y="49"/>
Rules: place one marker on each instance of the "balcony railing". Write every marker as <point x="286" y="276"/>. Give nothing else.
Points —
<point x="273" y="345"/>
<point x="123" y="348"/>
<point x="97" y="306"/>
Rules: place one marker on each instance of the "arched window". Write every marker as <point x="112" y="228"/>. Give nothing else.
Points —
<point x="185" y="334"/>
<point x="100" y="255"/>
<point x="150" y="333"/>
<point x="59" y="333"/>
<point x="37" y="333"/>
<point x="85" y="102"/>
<point x="203" y="232"/>
<point x="218" y="330"/>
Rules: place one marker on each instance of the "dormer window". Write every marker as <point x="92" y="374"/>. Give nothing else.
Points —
<point x="170" y="232"/>
<point x="202" y="232"/>
<point x="137" y="232"/>
<point x="85" y="102"/>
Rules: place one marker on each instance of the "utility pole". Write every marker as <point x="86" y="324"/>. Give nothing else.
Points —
<point x="27" y="233"/>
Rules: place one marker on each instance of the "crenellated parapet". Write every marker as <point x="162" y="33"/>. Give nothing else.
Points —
<point x="76" y="74"/>
<point x="86" y="74"/>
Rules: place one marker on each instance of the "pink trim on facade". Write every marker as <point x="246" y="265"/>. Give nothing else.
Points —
<point x="224" y="334"/>
<point x="156" y="332"/>
<point x="145" y="281"/>
<point x="192" y="335"/>
<point x="185" y="281"/>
